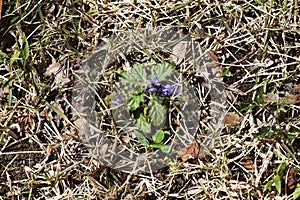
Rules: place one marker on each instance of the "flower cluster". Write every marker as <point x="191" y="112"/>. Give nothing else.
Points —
<point x="166" y="89"/>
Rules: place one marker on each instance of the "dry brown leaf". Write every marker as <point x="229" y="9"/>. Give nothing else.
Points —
<point x="4" y="91"/>
<point x="247" y="163"/>
<point x="291" y="99"/>
<point x="178" y="52"/>
<point x="53" y="68"/>
<point x="291" y="180"/>
<point x="26" y="122"/>
<point x="192" y="151"/>
<point x="47" y="113"/>
<point x="232" y="118"/>
<point x="287" y="99"/>
<point x="297" y="87"/>
<point x="102" y="149"/>
<point x="81" y="125"/>
<point x="270" y="98"/>
<point x="60" y="78"/>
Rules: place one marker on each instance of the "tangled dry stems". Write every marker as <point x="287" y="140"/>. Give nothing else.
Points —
<point x="258" y="42"/>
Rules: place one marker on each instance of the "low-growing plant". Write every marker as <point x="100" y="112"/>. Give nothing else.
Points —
<point x="277" y="178"/>
<point x="148" y="93"/>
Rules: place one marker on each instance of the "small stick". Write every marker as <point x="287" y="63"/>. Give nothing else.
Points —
<point x="1" y="3"/>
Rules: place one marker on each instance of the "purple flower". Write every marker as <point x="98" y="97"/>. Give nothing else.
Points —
<point x="154" y="85"/>
<point x="155" y="82"/>
<point x="166" y="90"/>
<point x="163" y="89"/>
<point x="119" y="99"/>
<point x="151" y="89"/>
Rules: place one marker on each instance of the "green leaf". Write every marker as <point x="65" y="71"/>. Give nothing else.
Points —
<point x="41" y="15"/>
<point x="269" y="184"/>
<point x="291" y="137"/>
<point x="137" y="91"/>
<point x="296" y="193"/>
<point x="280" y="168"/>
<point x="2" y="55"/>
<point x="162" y="70"/>
<point x="154" y="98"/>
<point x="157" y="145"/>
<point x="14" y="57"/>
<point x="167" y="132"/>
<point x="142" y="124"/>
<point x="164" y="148"/>
<point x="25" y="47"/>
<point x="157" y="113"/>
<point x="159" y="136"/>
<point x="141" y="138"/>
<point x="296" y="130"/>
<point x="135" y="101"/>
<point x="277" y="182"/>
<point x="137" y="74"/>
<point x="226" y="72"/>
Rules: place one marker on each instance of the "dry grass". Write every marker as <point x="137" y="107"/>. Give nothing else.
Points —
<point x="42" y="43"/>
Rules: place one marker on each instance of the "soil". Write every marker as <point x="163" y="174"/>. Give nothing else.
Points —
<point x="15" y="170"/>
